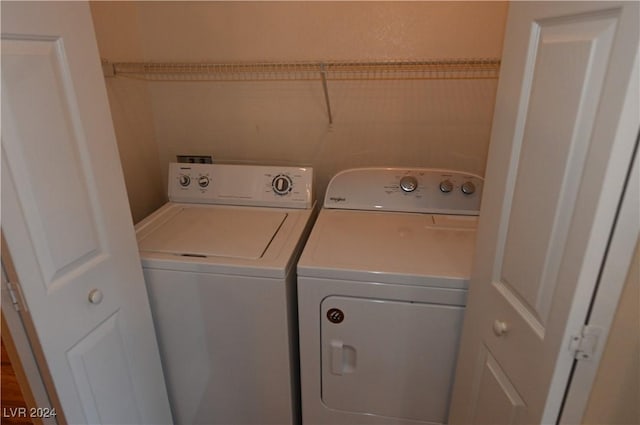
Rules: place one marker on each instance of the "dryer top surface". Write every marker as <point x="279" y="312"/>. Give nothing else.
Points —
<point x="413" y="248"/>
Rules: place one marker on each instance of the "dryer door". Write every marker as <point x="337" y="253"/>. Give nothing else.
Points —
<point x="389" y="358"/>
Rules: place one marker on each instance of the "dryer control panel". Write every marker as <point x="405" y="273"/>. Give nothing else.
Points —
<point x="424" y="190"/>
<point x="251" y="185"/>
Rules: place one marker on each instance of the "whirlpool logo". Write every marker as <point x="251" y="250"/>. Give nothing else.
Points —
<point x="337" y="199"/>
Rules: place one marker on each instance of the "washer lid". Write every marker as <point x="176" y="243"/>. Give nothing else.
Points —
<point x="215" y="232"/>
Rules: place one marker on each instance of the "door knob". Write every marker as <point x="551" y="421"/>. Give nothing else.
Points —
<point x="95" y="296"/>
<point x="500" y="328"/>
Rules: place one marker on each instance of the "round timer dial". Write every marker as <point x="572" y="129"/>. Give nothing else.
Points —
<point x="184" y="180"/>
<point x="282" y="184"/>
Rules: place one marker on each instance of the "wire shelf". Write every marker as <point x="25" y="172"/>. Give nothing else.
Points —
<point x="484" y="68"/>
<point x="402" y="70"/>
<point x="481" y="68"/>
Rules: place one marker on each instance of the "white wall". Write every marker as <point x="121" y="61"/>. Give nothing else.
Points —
<point x="436" y="123"/>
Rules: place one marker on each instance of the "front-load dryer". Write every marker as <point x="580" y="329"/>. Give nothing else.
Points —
<point x="219" y="264"/>
<point x="382" y="287"/>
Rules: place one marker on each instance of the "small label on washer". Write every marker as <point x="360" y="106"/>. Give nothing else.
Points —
<point x="335" y="315"/>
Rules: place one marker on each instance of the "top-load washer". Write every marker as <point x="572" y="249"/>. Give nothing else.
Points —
<point x="219" y="265"/>
<point x="382" y="287"/>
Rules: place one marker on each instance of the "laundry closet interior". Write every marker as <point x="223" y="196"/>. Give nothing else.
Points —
<point x="325" y="85"/>
<point x="305" y="183"/>
<point x="329" y="86"/>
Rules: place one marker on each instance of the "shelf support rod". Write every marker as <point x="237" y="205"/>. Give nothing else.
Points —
<point x="323" y="75"/>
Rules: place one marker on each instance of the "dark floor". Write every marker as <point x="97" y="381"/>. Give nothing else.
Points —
<point x="11" y="395"/>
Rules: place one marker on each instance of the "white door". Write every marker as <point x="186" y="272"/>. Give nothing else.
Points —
<point x="564" y="130"/>
<point x="66" y="220"/>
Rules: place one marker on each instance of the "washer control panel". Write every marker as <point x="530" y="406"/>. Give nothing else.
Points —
<point x="255" y="185"/>
<point x="424" y="190"/>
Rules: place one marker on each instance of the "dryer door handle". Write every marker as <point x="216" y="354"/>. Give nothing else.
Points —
<point x="336" y="357"/>
<point x="343" y="358"/>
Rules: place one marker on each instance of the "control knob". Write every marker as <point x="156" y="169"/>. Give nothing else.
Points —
<point x="446" y="186"/>
<point x="408" y="183"/>
<point x="282" y="184"/>
<point x="203" y="181"/>
<point x="468" y="188"/>
<point x="184" y="180"/>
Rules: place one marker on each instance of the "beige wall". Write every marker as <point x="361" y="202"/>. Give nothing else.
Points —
<point x="437" y="123"/>
<point x="306" y="30"/>
<point x="615" y="396"/>
<point x="118" y="39"/>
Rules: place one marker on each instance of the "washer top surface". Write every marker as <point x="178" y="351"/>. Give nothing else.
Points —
<point x="223" y="239"/>
<point x="220" y="232"/>
<point x="248" y="220"/>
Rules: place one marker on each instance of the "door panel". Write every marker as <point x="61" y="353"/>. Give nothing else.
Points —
<point x="496" y="401"/>
<point x="555" y="174"/>
<point x="99" y="357"/>
<point x="567" y="64"/>
<point x="66" y="220"/>
<point x="36" y="83"/>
